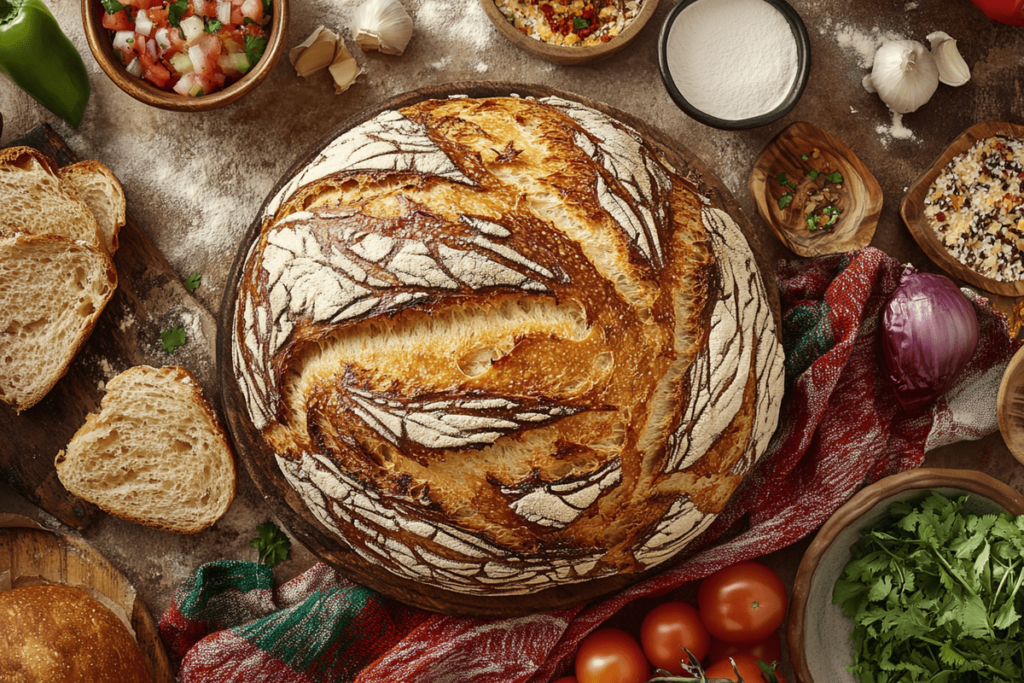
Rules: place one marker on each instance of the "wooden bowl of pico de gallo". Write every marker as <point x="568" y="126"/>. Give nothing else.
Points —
<point x="186" y="55"/>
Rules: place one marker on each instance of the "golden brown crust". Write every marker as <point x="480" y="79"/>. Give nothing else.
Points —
<point x="58" y="633"/>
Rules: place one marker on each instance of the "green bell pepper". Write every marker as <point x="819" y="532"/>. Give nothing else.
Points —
<point x="39" y="58"/>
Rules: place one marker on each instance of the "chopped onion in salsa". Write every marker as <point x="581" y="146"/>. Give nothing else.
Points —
<point x="192" y="47"/>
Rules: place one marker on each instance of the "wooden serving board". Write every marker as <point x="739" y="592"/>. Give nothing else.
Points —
<point x="30" y="556"/>
<point x="149" y="298"/>
<point x="286" y="503"/>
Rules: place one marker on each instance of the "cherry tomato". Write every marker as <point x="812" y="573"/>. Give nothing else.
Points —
<point x="667" y="629"/>
<point x="768" y="650"/>
<point x="1006" y="11"/>
<point x="745" y="664"/>
<point x="743" y="603"/>
<point x="609" y="655"/>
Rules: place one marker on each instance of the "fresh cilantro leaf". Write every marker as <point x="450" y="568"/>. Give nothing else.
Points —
<point x="213" y="25"/>
<point x="783" y="180"/>
<point x="175" y="10"/>
<point x="268" y="5"/>
<point x="272" y="545"/>
<point x="784" y="200"/>
<point x="804" y="157"/>
<point x="834" y="177"/>
<point x="173" y="338"/>
<point x="254" y="48"/>
<point x="247" y="21"/>
<point x="111" y="6"/>
<point x="812" y="174"/>
<point x="580" y="22"/>
<point x="193" y="281"/>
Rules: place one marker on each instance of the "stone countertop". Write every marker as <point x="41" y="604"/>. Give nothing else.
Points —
<point x="194" y="182"/>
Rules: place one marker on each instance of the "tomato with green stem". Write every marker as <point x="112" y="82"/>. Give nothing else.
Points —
<point x="742" y="603"/>
<point x="747" y="667"/>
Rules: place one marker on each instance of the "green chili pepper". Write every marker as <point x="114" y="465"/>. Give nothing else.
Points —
<point x="39" y="58"/>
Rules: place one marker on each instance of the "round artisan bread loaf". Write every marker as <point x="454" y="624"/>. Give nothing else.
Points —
<point x="58" y="633"/>
<point x="501" y="345"/>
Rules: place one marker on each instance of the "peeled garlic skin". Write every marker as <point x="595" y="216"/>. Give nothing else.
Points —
<point x="382" y="25"/>
<point x="905" y="75"/>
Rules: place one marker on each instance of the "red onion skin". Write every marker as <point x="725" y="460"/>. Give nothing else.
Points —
<point x="929" y="334"/>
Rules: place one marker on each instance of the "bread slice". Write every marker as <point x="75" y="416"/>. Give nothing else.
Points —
<point x="51" y="633"/>
<point x="35" y="202"/>
<point x="52" y="290"/>
<point x="99" y="188"/>
<point x="156" y="453"/>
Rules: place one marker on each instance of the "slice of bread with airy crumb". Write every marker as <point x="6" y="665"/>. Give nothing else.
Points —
<point x="156" y="453"/>
<point x="36" y="202"/>
<point x="97" y="186"/>
<point x="52" y="290"/>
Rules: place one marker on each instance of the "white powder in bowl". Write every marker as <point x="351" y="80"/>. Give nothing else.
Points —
<point x="732" y="59"/>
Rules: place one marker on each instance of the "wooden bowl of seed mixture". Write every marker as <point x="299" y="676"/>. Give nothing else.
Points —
<point x="572" y="33"/>
<point x="967" y="210"/>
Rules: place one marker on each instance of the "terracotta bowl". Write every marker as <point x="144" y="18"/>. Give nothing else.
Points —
<point x="818" y="633"/>
<point x="860" y="198"/>
<point x="102" y="49"/>
<point x="1010" y="406"/>
<point x="567" y="54"/>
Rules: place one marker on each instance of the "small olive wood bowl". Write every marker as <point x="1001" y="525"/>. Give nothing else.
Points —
<point x="566" y="54"/>
<point x="103" y="50"/>
<point x="1010" y="405"/>
<point x="818" y="634"/>
<point x="861" y="198"/>
<point x="912" y="210"/>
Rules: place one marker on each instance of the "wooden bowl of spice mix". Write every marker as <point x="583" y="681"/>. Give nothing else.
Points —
<point x="734" y="64"/>
<point x="572" y="31"/>
<point x="967" y="210"/>
<point x="181" y="57"/>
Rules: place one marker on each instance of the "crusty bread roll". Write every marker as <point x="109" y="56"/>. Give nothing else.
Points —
<point x="52" y="291"/>
<point x="501" y="345"/>
<point x="156" y="454"/>
<point x="58" y="634"/>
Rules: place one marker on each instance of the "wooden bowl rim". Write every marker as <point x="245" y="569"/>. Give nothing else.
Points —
<point x="568" y="55"/>
<point x="972" y="481"/>
<point x="922" y="231"/>
<point x="240" y="426"/>
<point x="865" y="230"/>
<point x="803" y="56"/>
<point x="147" y="93"/>
<point x="1015" y="366"/>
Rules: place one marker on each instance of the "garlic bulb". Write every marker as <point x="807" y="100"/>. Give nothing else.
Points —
<point x="382" y="25"/>
<point x="953" y="70"/>
<point x="904" y="75"/>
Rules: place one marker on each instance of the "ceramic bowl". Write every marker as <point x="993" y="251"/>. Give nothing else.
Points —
<point x="102" y="49"/>
<point x="860" y="197"/>
<point x="818" y="634"/>
<point x="803" y="55"/>
<point x="913" y="209"/>
<point x="1010" y="406"/>
<point x="567" y="54"/>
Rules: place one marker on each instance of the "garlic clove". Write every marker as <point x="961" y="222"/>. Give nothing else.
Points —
<point x="382" y="25"/>
<point x="314" y="53"/>
<point x="343" y="69"/>
<point x="904" y="74"/>
<point x="953" y="70"/>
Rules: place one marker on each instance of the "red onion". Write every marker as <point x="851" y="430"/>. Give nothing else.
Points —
<point x="929" y="333"/>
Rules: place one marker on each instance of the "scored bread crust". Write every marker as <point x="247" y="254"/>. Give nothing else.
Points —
<point x="98" y="187"/>
<point x="156" y="454"/>
<point x="51" y="633"/>
<point x="52" y="291"/>
<point x="501" y="345"/>
<point x="36" y="202"/>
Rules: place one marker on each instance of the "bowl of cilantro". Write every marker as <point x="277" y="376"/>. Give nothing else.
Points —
<point x="918" y="577"/>
<point x="186" y="56"/>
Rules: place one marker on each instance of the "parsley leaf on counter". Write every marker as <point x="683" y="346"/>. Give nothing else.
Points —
<point x="174" y="12"/>
<point x="173" y="338"/>
<point x="935" y="595"/>
<point x="193" y="281"/>
<point x="272" y="545"/>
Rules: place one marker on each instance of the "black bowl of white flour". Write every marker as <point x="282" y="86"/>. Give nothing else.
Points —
<point x="734" y="64"/>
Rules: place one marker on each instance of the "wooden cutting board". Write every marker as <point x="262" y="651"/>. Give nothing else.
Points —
<point x="149" y="298"/>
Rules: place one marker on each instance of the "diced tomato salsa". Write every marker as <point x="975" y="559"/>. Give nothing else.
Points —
<point x="193" y="47"/>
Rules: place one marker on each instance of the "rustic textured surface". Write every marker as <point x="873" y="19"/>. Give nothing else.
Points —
<point x="195" y="181"/>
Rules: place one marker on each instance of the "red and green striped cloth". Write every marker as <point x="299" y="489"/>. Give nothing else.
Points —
<point x="840" y="428"/>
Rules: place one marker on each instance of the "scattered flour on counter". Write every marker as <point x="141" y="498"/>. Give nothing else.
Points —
<point x="442" y="63"/>
<point x="461" y="21"/>
<point x="895" y="131"/>
<point x="481" y="67"/>
<point x="910" y="6"/>
<point x="862" y="44"/>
